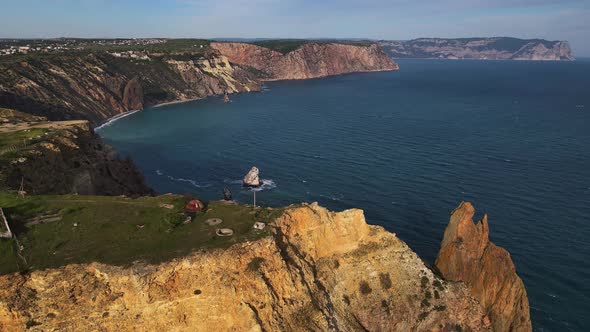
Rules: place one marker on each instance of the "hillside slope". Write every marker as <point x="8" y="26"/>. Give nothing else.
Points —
<point x="63" y="157"/>
<point x="98" y="86"/>
<point x="500" y="48"/>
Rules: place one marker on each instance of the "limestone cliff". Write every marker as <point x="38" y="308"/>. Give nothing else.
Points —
<point x="310" y="60"/>
<point x="498" y="48"/>
<point x="320" y="271"/>
<point x="64" y="158"/>
<point x="467" y="255"/>
<point x="99" y="86"/>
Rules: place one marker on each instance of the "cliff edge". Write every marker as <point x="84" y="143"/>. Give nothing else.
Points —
<point x="467" y="255"/>
<point x="62" y="157"/>
<point x="310" y="60"/>
<point x="318" y="271"/>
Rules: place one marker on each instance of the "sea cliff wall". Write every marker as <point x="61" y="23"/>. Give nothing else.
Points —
<point x="311" y="60"/>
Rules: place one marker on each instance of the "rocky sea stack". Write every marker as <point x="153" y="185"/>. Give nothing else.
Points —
<point x="252" y="179"/>
<point x="467" y="255"/>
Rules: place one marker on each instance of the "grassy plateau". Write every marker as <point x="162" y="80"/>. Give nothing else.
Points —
<point x="53" y="231"/>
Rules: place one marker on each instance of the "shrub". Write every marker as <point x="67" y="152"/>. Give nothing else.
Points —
<point x="385" y="280"/>
<point x="437" y="284"/>
<point x="423" y="316"/>
<point x="424" y="281"/>
<point x="346" y="299"/>
<point x="365" y="288"/>
<point x="255" y="263"/>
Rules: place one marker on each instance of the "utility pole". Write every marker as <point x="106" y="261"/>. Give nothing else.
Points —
<point x="254" y="191"/>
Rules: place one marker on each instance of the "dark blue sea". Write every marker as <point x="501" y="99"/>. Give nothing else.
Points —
<point x="407" y="146"/>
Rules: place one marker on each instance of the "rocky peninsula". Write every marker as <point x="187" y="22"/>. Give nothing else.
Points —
<point x="315" y="271"/>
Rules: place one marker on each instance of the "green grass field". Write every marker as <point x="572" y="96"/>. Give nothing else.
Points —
<point x="195" y="47"/>
<point x="118" y="230"/>
<point x="288" y="45"/>
<point x="17" y="138"/>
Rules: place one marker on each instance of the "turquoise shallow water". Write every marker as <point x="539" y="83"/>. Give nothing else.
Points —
<point x="407" y="147"/>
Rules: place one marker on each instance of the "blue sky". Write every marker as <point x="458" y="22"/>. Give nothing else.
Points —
<point x="393" y="19"/>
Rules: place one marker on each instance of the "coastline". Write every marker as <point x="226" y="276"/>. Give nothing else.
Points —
<point x="117" y="117"/>
<point x="111" y="120"/>
<point x="330" y="75"/>
<point x="179" y="101"/>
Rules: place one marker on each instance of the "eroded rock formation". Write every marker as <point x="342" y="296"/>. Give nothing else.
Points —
<point x="321" y="271"/>
<point x="251" y="179"/>
<point x="311" y="60"/>
<point x="467" y="255"/>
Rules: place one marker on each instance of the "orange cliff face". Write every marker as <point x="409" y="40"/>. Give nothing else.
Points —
<point x="311" y="60"/>
<point x="467" y="255"/>
<point x="319" y="271"/>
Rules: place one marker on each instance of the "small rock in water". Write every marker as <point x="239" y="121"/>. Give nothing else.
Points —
<point x="251" y="179"/>
<point x="227" y="194"/>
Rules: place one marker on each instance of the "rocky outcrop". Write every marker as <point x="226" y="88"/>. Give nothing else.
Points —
<point x="320" y="271"/>
<point x="252" y="179"/>
<point x="69" y="158"/>
<point x="499" y="48"/>
<point x="96" y="87"/>
<point x="311" y="60"/>
<point x="467" y="255"/>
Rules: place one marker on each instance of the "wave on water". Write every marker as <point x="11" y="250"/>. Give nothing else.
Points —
<point x="190" y="181"/>
<point x="334" y="197"/>
<point x="115" y="118"/>
<point x="267" y="184"/>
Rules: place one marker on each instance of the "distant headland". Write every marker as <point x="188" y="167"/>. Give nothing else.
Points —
<point x="494" y="48"/>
